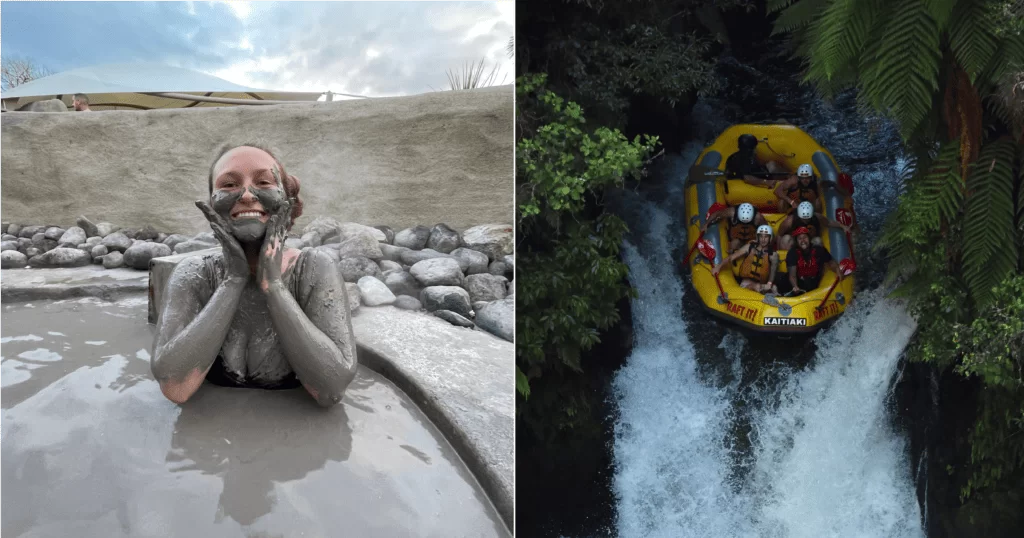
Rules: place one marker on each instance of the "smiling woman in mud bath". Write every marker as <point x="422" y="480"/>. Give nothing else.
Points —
<point x="259" y="314"/>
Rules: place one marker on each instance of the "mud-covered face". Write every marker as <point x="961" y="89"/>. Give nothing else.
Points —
<point x="804" y="241"/>
<point x="247" y="189"/>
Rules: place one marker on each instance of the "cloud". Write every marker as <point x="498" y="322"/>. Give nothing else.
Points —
<point x="368" y="48"/>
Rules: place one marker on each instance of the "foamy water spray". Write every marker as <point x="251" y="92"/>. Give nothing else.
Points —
<point x="824" y="460"/>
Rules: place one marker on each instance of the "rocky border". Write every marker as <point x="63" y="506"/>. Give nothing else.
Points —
<point x="466" y="279"/>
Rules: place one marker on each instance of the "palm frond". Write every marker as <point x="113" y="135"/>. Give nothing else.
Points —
<point x="990" y="245"/>
<point x="838" y="37"/>
<point x="940" y="11"/>
<point x="775" y="5"/>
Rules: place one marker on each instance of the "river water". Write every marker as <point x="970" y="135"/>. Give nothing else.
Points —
<point x="721" y="433"/>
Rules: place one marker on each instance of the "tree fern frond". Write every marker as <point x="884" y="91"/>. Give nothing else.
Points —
<point x="940" y="11"/>
<point x="900" y="73"/>
<point x="971" y="37"/>
<point x="1009" y="58"/>
<point x="772" y="6"/>
<point x="990" y="245"/>
<point x="838" y="36"/>
<point x="798" y="15"/>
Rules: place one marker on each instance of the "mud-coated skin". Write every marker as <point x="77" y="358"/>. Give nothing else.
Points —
<point x="267" y="311"/>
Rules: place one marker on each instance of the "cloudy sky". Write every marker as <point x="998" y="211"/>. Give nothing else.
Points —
<point x="376" y="49"/>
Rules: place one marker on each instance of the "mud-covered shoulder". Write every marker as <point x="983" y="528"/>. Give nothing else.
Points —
<point x="314" y="269"/>
<point x="199" y="275"/>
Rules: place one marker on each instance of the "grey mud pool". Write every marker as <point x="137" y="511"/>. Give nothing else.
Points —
<point x="92" y="448"/>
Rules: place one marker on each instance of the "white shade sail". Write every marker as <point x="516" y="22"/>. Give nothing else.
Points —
<point x="126" y="86"/>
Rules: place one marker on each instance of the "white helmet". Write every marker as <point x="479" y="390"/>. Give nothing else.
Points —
<point x="745" y="213"/>
<point x="805" y="210"/>
<point x="764" y="229"/>
<point x="804" y="171"/>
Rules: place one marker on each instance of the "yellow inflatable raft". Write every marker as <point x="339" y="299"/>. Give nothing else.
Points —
<point x="706" y="185"/>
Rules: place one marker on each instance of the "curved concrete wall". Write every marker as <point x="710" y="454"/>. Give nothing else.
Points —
<point x="401" y="161"/>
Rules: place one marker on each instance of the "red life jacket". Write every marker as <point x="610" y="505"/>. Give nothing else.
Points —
<point x="807" y="267"/>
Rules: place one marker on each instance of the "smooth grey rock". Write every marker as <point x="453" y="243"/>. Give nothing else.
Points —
<point x="130" y="233"/>
<point x="511" y="289"/>
<point x="453" y="318"/>
<point x="117" y="241"/>
<point x="402" y="283"/>
<point x="443" y="238"/>
<point x="407" y="302"/>
<point x="84" y="246"/>
<point x="12" y="259"/>
<point x="9" y="237"/>
<point x="438" y="272"/>
<point x="73" y="237"/>
<point x="55" y="232"/>
<point x="386" y="265"/>
<point x="451" y="298"/>
<point x="389" y="234"/>
<point x="191" y="246"/>
<point x="161" y="237"/>
<point x="104" y="229"/>
<point x="138" y="256"/>
<point x="364" y="245"/>
<point x="326" y="249"/>
<point x="294" y="242"/>
<point x="355" y="297"/>
<point x="351" y="229"/>
<point x="8" y="245"/>
<point x="32" y="252"/>
<point x="113" y="260"/>
<point x="147" y="233"/>
<point x="392" y="252"/>
<point x="471" y="261"/>
<point x="497" y="268"/>
<point x="412" y="257"/>
<point x="352" y="269"/>
<point x="413" y="238"/>
<point x="325" y="227"/>
<point x="498" y="318"/>
<point x="174" y="239"/>
<point x="510" y="264"/>
<point x="477" y="305"/>
<point x="494" y="240"/>
<point x="136" y="242"/>
<point x="14" y="229"/>
<point x="486" y="287"/>
<point x="24" y="243"/>
<point x="62" y="257"/>
<point x="312" y="239"/>
<point x="98" y="250"/>
<point x="375" y="292"/>
<point x="206" y="237"/>
<point x="94" y="240"/>
<point x="41" y="242"/>
<point x="29" y="231"/>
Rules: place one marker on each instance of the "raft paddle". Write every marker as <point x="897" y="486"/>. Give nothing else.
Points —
<point x="708" y="251"/>
<point x="715" y="208"/>
<point x="847" y="267"/>
<point x="844" y="217"/>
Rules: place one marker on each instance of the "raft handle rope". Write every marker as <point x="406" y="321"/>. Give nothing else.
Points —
<point x="765" y="140"/>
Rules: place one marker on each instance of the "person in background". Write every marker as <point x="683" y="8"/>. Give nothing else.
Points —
<point x="743" y="222"/>
<point x="802" y="187"/>
<point x="81" y="103"/>
<point x="744" y="164"/>
<point x="807" y="262"/>
<point x="805" y="217"/>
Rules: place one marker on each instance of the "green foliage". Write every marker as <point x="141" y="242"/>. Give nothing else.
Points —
<point x="954" y="242"/>
<point x="989" y="257"/>
<point x="574" y="278"/>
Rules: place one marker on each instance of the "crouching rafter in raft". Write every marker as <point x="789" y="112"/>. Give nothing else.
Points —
<point x="775" y="169"/>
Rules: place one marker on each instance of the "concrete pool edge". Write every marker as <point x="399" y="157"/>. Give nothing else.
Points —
<point x="23" y="285"/>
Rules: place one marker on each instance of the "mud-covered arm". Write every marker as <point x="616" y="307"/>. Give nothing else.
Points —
<point x="191" y="334"/>
<point x="317" y="340"/>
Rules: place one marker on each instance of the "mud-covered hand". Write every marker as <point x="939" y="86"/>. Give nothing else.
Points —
<point x="272" y="252"/>
<point x="234" y="256"/>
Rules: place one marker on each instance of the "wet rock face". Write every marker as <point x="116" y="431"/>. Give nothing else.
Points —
<point x="413" y="238"/>
<point x="354" y="268"/>
<point x="403" y="283"/>
<point x="498" y="318"/>
<point x="453" y="318"/>
<point x="443" y="239"/>
<point x="62" y="257"/>
<point x="375" y="292"/>
<point x="495" y="240"/>
<point x="12" y="259"/>
<point x="139" y="255"/>
<point x="451" y="298"/>
<point x="437" y="272"/>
